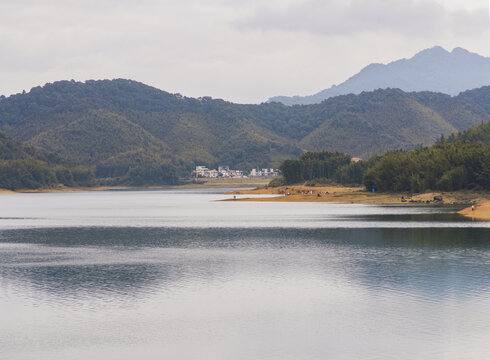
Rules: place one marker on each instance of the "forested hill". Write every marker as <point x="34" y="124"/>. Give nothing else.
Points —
<point x="109" y="121"/>
<point x="128" y="131"/>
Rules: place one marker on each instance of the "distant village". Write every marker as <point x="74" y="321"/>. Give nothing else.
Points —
<point x="226" y="172"/>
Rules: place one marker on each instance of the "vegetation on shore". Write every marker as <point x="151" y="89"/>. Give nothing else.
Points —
<point x="24" y="166"/>
<point x="324" y="166"/>
<point x="458" y="163"/>
<point x="444" y="167"/>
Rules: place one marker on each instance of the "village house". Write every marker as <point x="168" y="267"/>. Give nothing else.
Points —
<point x="264" y="172"/>
<point x="223" y="171"/>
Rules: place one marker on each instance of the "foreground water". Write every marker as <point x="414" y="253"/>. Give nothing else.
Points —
<point x="177" y="275"/>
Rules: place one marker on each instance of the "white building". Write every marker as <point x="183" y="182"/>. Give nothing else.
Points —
<point x="264" y="172"/>
<point x="223" y="171"/>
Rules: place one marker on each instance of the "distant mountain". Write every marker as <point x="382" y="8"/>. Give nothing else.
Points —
<point x="434" y="69"/>
<point x="131" y="133"/>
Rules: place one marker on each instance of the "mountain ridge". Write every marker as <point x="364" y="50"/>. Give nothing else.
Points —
<point x="433" y="69"/>
<point x="126" y="130"/>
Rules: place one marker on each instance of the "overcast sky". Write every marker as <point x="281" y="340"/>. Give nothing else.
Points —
<point x="243" y="51"/>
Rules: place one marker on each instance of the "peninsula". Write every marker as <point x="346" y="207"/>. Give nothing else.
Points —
<point x="358" y="195"/>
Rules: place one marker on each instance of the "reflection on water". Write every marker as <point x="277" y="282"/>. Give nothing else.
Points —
<point x="244" y="291"/>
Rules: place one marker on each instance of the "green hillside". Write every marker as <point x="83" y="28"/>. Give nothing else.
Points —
<point x="124" y="129"/>
<point x="391" y="119"/>
<point x="97" y="136"/>
<point x="197" y="131"/>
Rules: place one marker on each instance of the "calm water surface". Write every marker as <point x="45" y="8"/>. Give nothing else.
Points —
<point x="175" y="274"/>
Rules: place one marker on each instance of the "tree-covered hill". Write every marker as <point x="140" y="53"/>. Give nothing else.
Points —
<point x="97" y="136"/>
<point x="195" y="130"/>
<point x="123" y="127"/>
<point x="391" y="119"/>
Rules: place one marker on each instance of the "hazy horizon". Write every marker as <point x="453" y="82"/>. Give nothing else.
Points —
<point x="240" y="52"/>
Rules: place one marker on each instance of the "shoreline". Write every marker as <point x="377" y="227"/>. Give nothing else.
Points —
<point x="358" y="195"/>
<point x="479" y="211"/>
<point x="479" y="201"/>
<point x="206" y="184"/>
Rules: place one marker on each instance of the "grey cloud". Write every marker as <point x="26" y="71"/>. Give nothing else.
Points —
<point x="336" y="17"/>
<point x="195" y="47"/>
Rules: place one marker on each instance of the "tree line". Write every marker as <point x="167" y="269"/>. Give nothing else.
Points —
<point x="24" y="166"/>
<point x="460" y="162"/>
<point x="35" y="174"/>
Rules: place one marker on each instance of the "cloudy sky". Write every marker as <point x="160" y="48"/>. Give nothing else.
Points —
<point x="239" y="50"/>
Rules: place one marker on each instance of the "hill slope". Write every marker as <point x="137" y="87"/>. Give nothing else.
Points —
<point x="434" y="69"/>
<point x="392" y="118"/>
<point x="195" y="130"/>
<point x="97" y="136"/>
<point x="128" y="131"/>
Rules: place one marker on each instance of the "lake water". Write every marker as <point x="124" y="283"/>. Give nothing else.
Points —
<point x="174" y="274"/>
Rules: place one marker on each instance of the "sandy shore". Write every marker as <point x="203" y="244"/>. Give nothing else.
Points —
<point x="3" y="191"/>
<point x="357" y="195"/>
<point x="478" y="211"/>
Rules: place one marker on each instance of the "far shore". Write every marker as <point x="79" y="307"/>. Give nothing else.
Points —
<point x="201" y="183"/>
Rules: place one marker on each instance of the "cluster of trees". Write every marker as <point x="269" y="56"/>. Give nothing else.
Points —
<point x="35" y="174"/>
<point x="480" y="133"/>
<point x="139" y="167"/>
<point x="317" y="165"/>
<point x="445" y="166"/>
<point x="460" y="162"/>
<point x="24" y="166"/>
